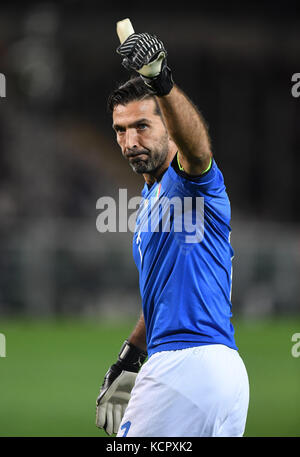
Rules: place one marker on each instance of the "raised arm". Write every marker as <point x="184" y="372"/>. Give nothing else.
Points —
<point x="187" y="129"/>
<point x="146" y="54"/>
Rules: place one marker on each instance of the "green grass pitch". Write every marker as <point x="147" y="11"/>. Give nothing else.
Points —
<point x="51" y="376"/>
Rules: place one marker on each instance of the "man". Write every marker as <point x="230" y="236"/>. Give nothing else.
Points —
<point x="194" y="382"/>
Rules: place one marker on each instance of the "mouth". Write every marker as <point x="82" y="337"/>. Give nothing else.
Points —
<point x="140" y="156"/>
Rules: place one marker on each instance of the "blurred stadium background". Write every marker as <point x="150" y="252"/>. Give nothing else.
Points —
<point x="68" y="294"/>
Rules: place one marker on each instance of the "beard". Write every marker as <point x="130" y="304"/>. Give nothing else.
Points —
<point x="154" y="158"/>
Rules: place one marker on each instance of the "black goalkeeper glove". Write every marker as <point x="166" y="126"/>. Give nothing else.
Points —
<point x="146" y="54"/>
<point x="116" y="388"/>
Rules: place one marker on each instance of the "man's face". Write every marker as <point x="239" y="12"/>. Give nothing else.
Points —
<point x="141" y="135"/>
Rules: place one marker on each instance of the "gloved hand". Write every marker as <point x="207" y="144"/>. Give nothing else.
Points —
<point x="146" y="54"/>
<point x="116" y="388"/>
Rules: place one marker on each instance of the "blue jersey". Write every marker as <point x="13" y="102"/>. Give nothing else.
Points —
<point x="182" y="250"/>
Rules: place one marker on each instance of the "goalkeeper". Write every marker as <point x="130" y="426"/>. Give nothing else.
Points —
<point x="194" y="382"/>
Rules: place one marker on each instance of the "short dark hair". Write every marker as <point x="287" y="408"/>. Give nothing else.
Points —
<point x="132" y="90"/>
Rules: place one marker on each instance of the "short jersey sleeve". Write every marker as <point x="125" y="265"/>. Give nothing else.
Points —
<point x="211" y="183"/>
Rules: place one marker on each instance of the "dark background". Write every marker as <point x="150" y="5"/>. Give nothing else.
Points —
<point x="69" y="295"/>
<point x="58" y="153"/>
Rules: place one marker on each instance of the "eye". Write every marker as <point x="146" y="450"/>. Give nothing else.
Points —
<point x="142" y="126"/>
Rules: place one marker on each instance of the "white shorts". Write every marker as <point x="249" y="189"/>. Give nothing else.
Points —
<point x="199" y="391"/>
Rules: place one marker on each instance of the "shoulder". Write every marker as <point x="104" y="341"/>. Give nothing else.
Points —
<point x="211" y="180"/>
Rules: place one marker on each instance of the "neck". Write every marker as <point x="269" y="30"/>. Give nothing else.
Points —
<point x="151" y="178"/>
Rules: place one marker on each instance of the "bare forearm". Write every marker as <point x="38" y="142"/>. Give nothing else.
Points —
<point x="186" y="127"/>
<point x="138" y="336"/>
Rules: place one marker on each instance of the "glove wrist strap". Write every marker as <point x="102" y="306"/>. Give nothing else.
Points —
<point x="131" y="355"/>
<point x="161" y="84"/>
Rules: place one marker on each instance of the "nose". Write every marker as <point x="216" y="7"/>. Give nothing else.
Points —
<point x="131" y="140"/>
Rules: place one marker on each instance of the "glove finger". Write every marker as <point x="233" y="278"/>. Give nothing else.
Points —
<point x="124" y="406"/>
<point x="117" y="417"/>
<point x="126" y="63"/>
<point x="101" y="415"/>
<point x="140" y="57"/>
<point x="144" y="58"/>
<point x="127" y="46"/>
<point x="109" y="419"/>
<point x="142" y="54"/>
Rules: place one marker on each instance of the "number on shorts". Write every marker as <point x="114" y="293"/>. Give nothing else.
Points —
<point x="126" y="426"/>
